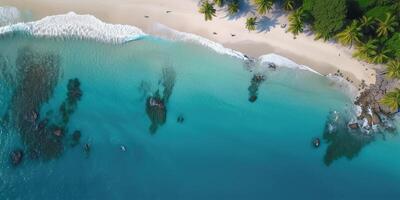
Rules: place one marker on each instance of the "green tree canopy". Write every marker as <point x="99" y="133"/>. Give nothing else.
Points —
<point x="233" y="7"/>
<point x="393" y="69"/>
<point x="392" y="100"/>
<point x="208" y="10"/>
<point x="329" y="17"/>
<point x="263" y="6"/>
<point x="251" y="23"/>
<point x="351" y="34"/>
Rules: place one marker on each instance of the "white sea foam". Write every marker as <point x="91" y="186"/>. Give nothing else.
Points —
<point x="75" y="26"/>
<point x="9" y="15"/>
<point x="281" y="61"/>
<point x="189" y="37"/>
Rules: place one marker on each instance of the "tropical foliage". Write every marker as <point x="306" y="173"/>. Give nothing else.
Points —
<point x="251" y="23"/>
<point x="233" y="7"/>
<point x="329" y="17"/>
<point x="263" y="6"/>
<point x="351" y="34"/>
<point x="393" y="69"/>
<point x="219" y="3"/>
<point x="288" y="5"/>
<point x="392" y="100"/>
<point x="386" y="26"/>
<point x="296" y="23"/>
<point x="208" y="10"/>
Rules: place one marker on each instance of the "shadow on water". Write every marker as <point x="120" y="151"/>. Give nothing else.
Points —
<point x="343" y="141"/>
<point x="36" y="76"/>
<point x="156" y="104"/>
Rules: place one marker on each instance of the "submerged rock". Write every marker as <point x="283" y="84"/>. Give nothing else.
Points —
<point x="16" y="157"/>
<point x="180" y="119"/>
<point x="316" y="142"/>
<point x="354" y="126"/>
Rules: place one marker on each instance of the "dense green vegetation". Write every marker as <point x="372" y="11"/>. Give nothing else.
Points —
<point x="251" y="23"/>
<point x="372" y="27"/>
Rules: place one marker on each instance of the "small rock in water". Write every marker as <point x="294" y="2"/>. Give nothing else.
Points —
<point x="316" y="142"/>
<point x="58" y="132"/>
<point x="180" y="119"/>
<point x="272" y="66"/>
<point x="16" y="156"/>
<point x="354" y="126"/>
<point x="253" y="98"/>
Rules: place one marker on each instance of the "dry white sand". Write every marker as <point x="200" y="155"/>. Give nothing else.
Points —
<point x="321" y="56"/>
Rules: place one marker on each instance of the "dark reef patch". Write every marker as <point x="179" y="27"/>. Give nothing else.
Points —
<point x="342" y="140"/>
<point x="256" y="81"/>
<point x="36" y="75"/>
<point x="156" y="104"/>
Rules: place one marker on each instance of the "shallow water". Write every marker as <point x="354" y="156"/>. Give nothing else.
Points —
<point x="226" y="148"/>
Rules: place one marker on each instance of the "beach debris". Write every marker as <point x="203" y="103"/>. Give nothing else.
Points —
<point x="180" y="119"/>
<point x="283" y="25"/>
<point x="168" y="11"/>
<point x="146" y="16"/>
<point x="316" y="142"/>
<point x="256" y="81"/>
<point x="16" y="156"/>
<point x="233" y="35"/>
<point x="215" y="33"/>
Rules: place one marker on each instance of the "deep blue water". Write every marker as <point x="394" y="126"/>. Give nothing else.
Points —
<point x="226" y="148"/>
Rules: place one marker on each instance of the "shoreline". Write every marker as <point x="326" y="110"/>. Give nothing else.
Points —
<point x="324" y="57"/>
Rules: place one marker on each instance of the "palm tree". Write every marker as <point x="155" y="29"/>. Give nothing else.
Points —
<point x="393" y="69"/>
<point x="219" y="3"/>
<point x="208" y="10"/>
<point x="366" y="22"/>
<point x="351" y="34"/>
<point x="233" y="7"/>
<point x="366" y="51"/>
<point x="381" y="56"/>
<point x="392" y="100"/>
<point x="251" y="23"/>
<point x="387" y="26"/>
<point x="296" y="23"/>
<point x="263" y="6"/>
<point x="288" y="5"/>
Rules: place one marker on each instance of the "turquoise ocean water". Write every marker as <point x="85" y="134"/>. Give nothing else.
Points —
<point x="226" y="147"/>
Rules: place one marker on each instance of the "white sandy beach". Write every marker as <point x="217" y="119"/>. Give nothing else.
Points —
<point x="184" y="16"/>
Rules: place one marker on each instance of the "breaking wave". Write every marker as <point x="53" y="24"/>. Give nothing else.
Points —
<point x="75" y="26"/>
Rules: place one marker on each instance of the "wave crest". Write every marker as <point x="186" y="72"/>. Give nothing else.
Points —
<point x="75" y="26"/>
